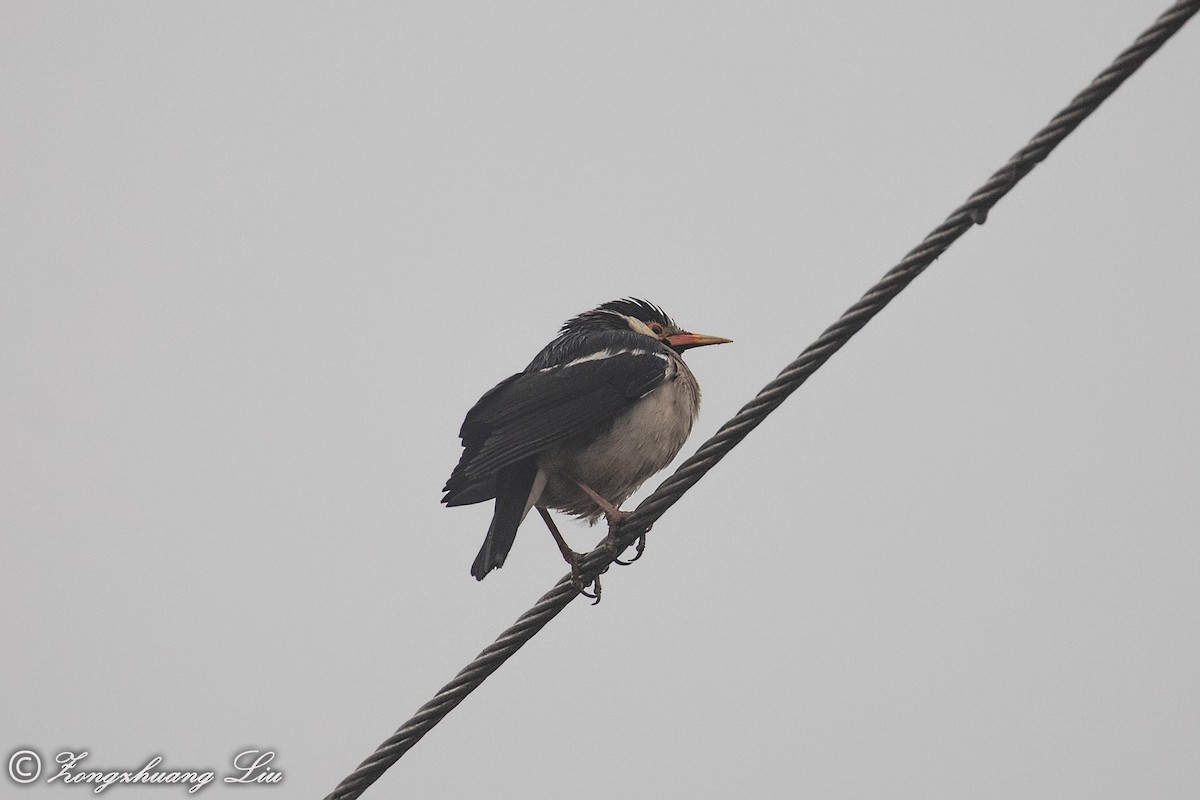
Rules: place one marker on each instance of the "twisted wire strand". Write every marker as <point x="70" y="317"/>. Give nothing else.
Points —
<point x="973" y="212"/>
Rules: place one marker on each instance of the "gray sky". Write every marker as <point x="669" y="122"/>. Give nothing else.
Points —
<point x="259" y="259"/>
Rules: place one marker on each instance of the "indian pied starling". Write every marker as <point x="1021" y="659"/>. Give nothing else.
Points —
<point x="599" y="410"/>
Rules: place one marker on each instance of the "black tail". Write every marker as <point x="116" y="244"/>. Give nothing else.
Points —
<point x="513" y="485"/>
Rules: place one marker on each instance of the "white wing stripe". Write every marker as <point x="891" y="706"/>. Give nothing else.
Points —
<point x="598" y="356"/>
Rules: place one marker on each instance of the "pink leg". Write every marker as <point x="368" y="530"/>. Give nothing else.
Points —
<point x="615" y="517"/>
<point x="571" y="557"/>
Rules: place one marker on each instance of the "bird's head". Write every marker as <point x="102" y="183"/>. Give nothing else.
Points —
<point x="640" y="317"/>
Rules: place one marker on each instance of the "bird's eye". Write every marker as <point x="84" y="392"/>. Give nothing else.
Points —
<point x="656" y="329"/>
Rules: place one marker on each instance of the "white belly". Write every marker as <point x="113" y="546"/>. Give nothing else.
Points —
<point x="641" y="442"/>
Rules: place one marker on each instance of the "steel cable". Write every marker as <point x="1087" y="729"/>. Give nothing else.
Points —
<point x="973" y="212"/>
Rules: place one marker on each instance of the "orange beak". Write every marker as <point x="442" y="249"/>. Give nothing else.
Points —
<point x="683" y="340"/>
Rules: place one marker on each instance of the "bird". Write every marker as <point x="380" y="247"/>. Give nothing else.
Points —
<point x="605" y="405"/>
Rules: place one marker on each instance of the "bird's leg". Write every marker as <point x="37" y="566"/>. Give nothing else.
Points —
<point x="572" y="558"/>
<point x="615" y="517"/>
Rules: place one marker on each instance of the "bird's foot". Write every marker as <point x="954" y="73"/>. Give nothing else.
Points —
<point x="637" y="553"/>
<point x="615" y="518"/>
<point x="578" y="582"/>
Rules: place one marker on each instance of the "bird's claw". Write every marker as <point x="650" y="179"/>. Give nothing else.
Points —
<point x="641" y="548"/>
<point x="581" y="587"/>
<point x="578" y="582"/>
<point x="610" y="541"/>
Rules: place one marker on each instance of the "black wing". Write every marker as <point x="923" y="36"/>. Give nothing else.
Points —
<point x="531" y="411"/>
